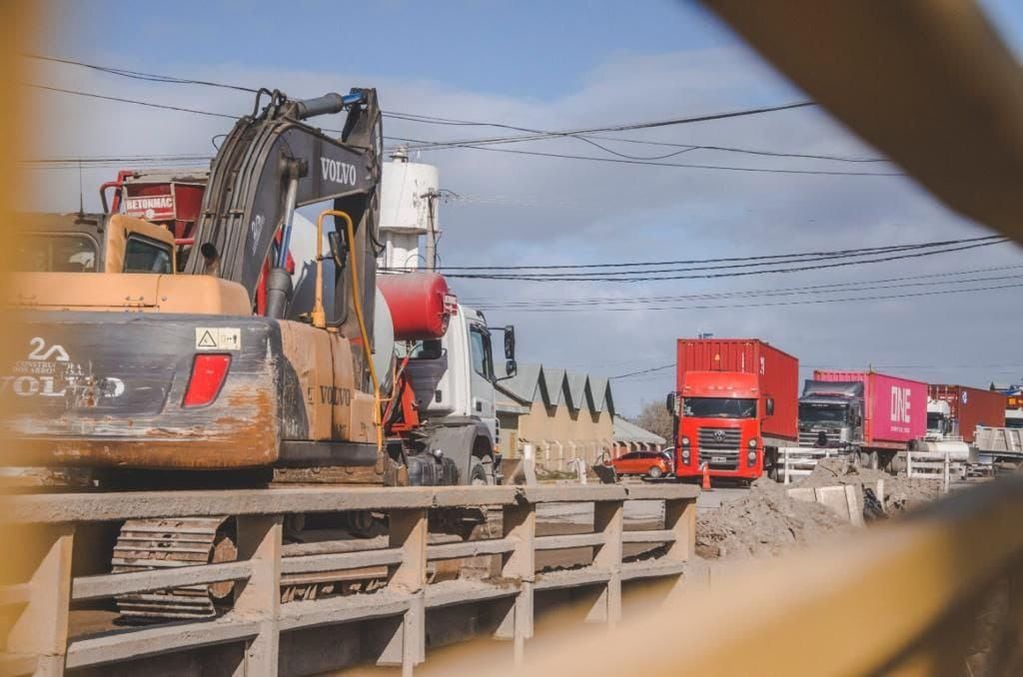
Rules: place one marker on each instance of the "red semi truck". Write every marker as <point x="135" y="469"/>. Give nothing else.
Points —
<point x="733" y="406"/>
<point x="866" y="412"/>
<point x="956" y="411"/>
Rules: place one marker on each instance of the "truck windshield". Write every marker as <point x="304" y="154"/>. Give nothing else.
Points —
<point x="822" y="412"/>
<point x="719" y="407"/>
<point x="1014" y="423"/>
<point x="935" y="421"/>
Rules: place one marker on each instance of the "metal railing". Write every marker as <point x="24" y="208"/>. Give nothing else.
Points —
<point x="38" y="640"/>
<point x="797" y="462"/>
<point x="932" y="465"/>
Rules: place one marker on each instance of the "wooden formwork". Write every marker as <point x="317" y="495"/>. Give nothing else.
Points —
<point x="38" y="639"/>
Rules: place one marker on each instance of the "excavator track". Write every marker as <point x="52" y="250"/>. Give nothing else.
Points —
<point x="161" y="543"/>
<point x="148" y="544"/>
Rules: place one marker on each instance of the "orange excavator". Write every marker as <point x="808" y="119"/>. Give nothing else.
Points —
<point x="211" y="370"/>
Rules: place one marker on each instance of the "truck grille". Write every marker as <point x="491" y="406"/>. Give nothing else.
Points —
<point x="720" y="447"/>
<point x="809" y="438"/>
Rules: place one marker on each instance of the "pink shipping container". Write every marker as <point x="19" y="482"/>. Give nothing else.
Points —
<point x="895" y="409"/>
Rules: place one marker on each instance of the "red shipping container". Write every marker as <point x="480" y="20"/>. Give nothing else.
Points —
<point x="777" y="376"/>
<point x="971" y="407"/>
<point x="895" y="409"/>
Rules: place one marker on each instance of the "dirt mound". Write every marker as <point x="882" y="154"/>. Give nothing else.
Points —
<point x="767" y="521"/>
<point x="900" y="492"/>
<point x="764" y="522"/>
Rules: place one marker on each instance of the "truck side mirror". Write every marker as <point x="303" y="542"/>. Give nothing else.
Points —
<point x="770" y="406"/>
<point x="670" y="403"/>
<point x="511" y="368"/>
<point x="509" y="344"/>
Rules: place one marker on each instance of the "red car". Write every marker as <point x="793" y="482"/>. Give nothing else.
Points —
<point x="649" y="463"/>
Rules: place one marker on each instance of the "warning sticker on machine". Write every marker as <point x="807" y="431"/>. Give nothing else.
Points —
<point x="218" y="338"/>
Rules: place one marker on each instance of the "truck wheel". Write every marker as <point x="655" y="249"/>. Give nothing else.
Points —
<point x="478" y="475"/>
<point x="654" y="472"/>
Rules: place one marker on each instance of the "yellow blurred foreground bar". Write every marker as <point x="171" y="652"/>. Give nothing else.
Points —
<point x="902" y="598"/>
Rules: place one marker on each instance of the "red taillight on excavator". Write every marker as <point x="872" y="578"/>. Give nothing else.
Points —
<point x="208" y="373"/>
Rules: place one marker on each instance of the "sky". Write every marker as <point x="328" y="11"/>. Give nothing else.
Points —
<point x="568" y="65"/>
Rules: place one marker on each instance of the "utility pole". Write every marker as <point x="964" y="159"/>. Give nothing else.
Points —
<point x="431" y="231"/>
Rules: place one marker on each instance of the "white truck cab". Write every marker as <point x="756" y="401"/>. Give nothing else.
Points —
<point x="939" y="420"/>
<point x="453" y="379"/>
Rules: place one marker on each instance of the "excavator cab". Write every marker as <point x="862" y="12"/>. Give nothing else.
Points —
<point x="93" y="243"/>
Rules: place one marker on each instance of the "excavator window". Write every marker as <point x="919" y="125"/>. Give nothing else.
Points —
<point x="58" y="253"/>
<point x="144" y="255"/>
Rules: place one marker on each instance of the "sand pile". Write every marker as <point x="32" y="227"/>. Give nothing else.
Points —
<point x="767" y="521"/>
<point x="900" y="492"/>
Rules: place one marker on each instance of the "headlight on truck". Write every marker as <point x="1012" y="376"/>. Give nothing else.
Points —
<point x="752" y="456"/>
<point x="685" y="456"/>
<point x="753" y="443"/>
<point x="685" y="441"/>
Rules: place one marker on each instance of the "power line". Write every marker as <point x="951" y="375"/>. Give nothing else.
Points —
<point x="878" y="297"/>
<point x="543" y="135"/>
<point x="412" y="117"/>
<point x="833" y="288"/>
<point x="649" y="163"/>
<point x="586" y="136"/>
<point x="642" y="371"/>
<point x="625" y="127"/>
<point x="642" y="277"/>
<point x="135" y="102"/>
<point x="856" y="251"/>
<point x="139" y="75"/>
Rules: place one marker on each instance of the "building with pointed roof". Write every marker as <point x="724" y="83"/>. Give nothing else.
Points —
<point x="565" y="415"/>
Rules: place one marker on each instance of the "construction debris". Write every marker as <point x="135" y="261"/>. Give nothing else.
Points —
<point x="899" y="493"/>
<point x="768" y="520"/>
<point x="765" y="522"/>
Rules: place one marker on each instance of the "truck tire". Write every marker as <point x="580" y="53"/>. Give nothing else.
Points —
<point x="478" y="475"/>
<point x="868" y="459"/>
<point x="654" y="472"/>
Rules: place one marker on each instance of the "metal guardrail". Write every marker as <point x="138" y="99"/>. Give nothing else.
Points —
<point x="38" y="638"/>
<point x="934" y="466"/>
<point x="796" y="462"/>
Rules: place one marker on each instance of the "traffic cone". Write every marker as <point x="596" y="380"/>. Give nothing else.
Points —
<point x="706" y="478"/>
